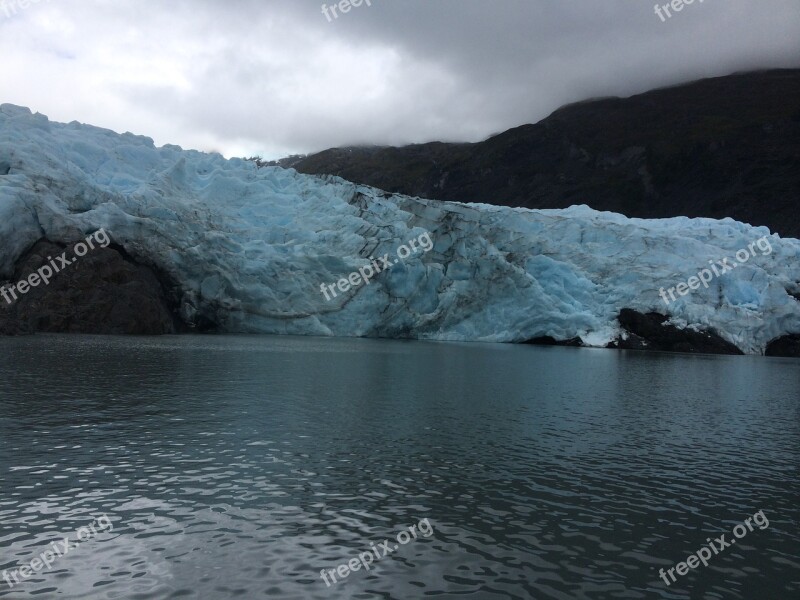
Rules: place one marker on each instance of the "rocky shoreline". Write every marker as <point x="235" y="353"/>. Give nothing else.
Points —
<point x="651" y="332"/>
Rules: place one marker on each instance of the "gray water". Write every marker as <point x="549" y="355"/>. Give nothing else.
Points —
<point x="239" y="467"/>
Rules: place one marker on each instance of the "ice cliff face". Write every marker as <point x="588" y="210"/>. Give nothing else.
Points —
<point x="249" y="248"/>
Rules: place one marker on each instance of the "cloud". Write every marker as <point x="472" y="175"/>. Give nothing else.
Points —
<point x="276" y="77"/>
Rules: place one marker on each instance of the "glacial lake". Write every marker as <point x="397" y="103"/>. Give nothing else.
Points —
<point x="241" y="466"/>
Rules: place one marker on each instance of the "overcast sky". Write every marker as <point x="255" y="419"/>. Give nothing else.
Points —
<point x="275" y="77"/>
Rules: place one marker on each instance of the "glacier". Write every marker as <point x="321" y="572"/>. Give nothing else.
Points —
<point x="250" y="247"/>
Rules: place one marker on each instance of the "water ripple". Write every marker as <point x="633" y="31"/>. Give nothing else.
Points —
<point x="239" y="467"/>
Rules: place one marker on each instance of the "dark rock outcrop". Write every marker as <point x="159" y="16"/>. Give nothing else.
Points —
<point x="103" y="292"/>
<point x="722" y="147"/>
<point x="651" y="332"/>
<point x="788" y="345"/>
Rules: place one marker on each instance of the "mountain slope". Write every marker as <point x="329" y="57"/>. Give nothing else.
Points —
<point x="723" y="147"/>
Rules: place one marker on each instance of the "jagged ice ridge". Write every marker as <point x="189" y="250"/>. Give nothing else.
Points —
<point x="249" y="247"/>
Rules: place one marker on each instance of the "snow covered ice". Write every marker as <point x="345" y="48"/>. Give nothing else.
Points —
<point x="250" y="247"/>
